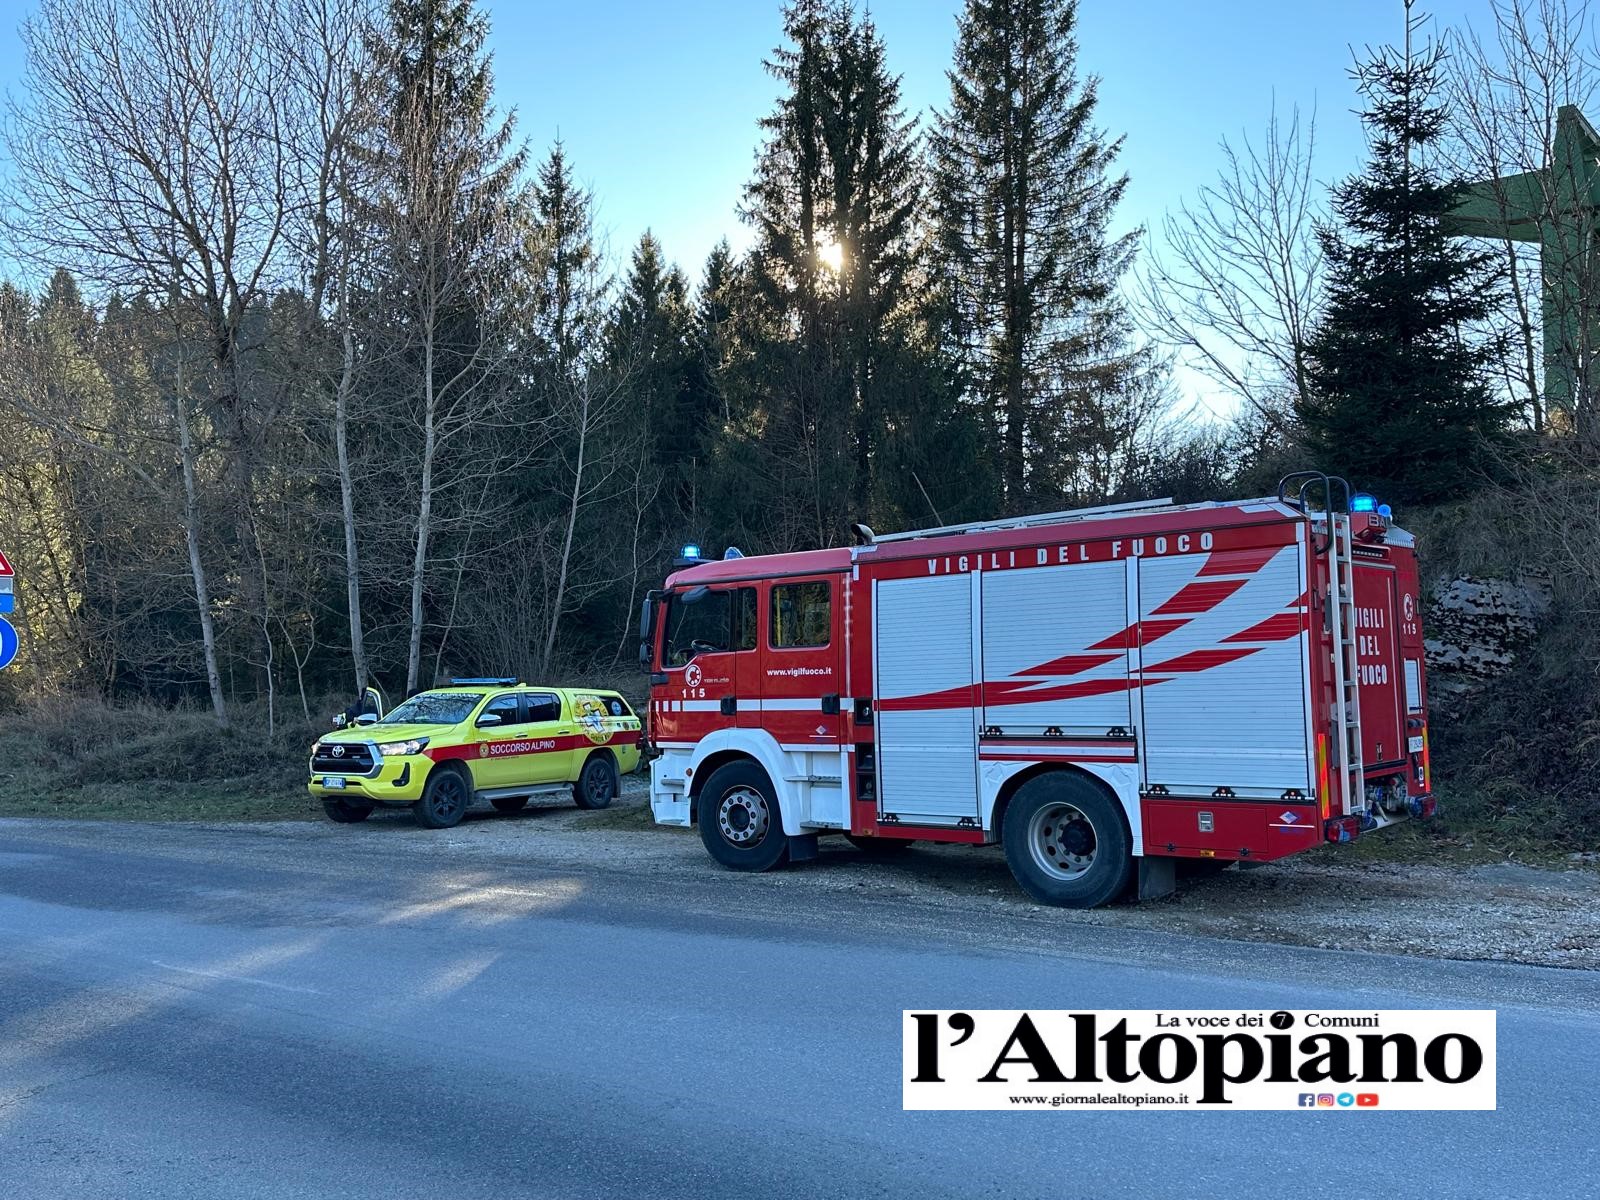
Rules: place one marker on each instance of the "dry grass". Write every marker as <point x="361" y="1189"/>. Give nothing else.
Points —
<point x="82" y="758"/>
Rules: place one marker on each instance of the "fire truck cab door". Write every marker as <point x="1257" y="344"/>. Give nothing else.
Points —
<point x="708" y="656"/>
<point x="802" y="689"/>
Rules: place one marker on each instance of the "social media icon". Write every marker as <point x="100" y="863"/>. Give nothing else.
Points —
<point x="1346" y="1099"/>
<point x="1308" y="1099"/>
<point x="1367" y="1100"/>
<point x="1325" y="1100"/>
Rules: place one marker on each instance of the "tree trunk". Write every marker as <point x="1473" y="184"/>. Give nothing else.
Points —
<point x="419" y="561"/>
<point x="191" y="533"/>
<point x="347" y="499"/>
<point x="572" y="525"/>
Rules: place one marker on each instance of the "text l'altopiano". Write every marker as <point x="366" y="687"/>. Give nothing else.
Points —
<point x="1232" y="1059"/>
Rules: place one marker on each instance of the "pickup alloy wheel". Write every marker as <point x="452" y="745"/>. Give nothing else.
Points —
<point x="344" y="812"/>
<point x="597" y="785"/>
<point x="444" y="800"/>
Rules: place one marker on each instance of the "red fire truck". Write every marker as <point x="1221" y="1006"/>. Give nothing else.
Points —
<point x="1107" y="692"/>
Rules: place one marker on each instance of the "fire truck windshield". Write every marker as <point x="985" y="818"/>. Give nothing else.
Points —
<point x="709" y="621"/>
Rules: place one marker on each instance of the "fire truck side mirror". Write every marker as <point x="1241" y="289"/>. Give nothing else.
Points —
<point x="647" y="627"/>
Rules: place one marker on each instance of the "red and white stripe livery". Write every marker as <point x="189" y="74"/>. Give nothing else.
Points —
<point x="1188" y="659"/>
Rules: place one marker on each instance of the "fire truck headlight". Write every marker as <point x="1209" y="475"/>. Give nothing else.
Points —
<point x="1363" y="502"/>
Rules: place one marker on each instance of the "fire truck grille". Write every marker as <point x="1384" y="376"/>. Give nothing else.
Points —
<point x="342" y="758"/>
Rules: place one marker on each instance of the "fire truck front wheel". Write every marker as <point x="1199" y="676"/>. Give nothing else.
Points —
<point x="739" y="819"/>
<point x="1066" y="841"/>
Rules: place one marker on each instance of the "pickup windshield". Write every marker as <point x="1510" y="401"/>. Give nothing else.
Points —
<point x="434" y="708"/>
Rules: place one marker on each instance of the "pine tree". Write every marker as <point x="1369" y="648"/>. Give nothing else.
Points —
<point x="833" y="203"/>
<point x="567" y="289"/>
<point x="1024" y="196"/>
<point x="653" y="341"/>
<point x="1399" y="400"/>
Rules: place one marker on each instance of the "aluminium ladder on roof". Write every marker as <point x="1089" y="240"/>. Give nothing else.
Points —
<point x="1346" y="669"/>
<point x="1049" y="518"/>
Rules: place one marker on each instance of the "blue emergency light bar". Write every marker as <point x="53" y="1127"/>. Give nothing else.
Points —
<point x="1363" y="502"/>
<point x="512" y="681"/>
<point x="691" y="550"/>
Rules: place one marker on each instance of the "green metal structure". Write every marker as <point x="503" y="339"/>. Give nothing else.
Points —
<point x="1556" y="207"/>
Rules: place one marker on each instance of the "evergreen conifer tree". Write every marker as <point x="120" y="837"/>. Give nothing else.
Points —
<point x="833" y="203"/>
<point x="653" y="342"/>
<point x="1400" y="401"/>
<point x="1024" y="196"/>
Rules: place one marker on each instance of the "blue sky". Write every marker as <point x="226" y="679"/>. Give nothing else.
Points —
<point x="657" y="100"/>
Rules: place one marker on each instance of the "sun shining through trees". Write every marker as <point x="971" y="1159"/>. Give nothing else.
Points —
<point x="830" y="254"/>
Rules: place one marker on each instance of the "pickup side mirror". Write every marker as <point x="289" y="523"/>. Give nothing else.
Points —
<point x="367" y="719"/>
<point x="490" y="720"/>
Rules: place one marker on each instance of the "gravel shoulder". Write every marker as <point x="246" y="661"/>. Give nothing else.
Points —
<point x="1505" y="912"/>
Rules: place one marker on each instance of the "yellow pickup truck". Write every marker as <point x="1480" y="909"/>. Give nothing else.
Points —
<point x="497" y="740"/>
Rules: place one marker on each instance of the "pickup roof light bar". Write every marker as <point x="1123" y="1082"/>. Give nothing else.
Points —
<point x="510" y="681"/>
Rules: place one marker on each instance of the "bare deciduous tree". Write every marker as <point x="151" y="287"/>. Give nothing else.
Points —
<point x="1236" y="290"/>
<point x="151" y="158"/>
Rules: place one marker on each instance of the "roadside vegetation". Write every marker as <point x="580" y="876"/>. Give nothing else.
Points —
<point x="87" y="759"/>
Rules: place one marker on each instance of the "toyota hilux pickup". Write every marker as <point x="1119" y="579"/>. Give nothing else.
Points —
<point x="493" y="740"/>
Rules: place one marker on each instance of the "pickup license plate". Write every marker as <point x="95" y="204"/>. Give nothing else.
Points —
<point x="333" y="783"/>
<point x="1416" y="745"/>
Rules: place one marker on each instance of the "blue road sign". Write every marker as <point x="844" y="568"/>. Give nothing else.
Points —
<point x="8" y="644"/>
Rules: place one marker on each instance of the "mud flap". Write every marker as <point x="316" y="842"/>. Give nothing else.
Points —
<point x="802" y="847"/>
<point x="1157" y="877"/>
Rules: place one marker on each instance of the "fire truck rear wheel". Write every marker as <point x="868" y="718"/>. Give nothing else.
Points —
<point x="445" y="799"/>
<point x="1066" y="841"/>
<point x="346" y="813"/>
<point x="739" y="819"/>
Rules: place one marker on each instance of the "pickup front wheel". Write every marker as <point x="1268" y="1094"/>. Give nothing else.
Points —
<point x="444" y="801"/>
<point x="346" y="813"/>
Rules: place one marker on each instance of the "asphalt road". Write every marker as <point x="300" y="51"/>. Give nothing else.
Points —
<point x="202" y="1012"/>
